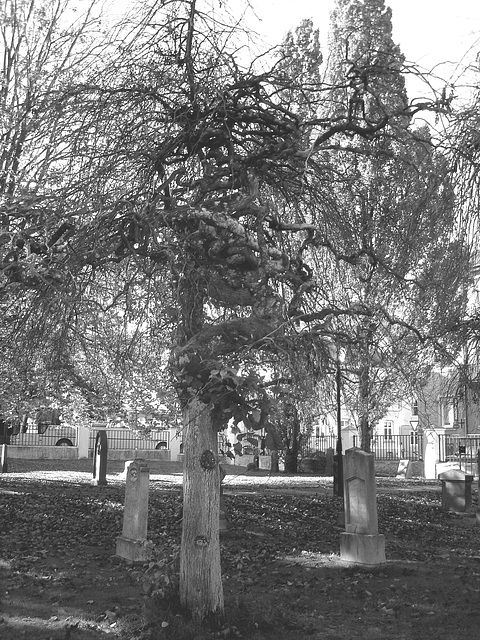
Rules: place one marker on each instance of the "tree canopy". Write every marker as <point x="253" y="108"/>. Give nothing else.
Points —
<point x="187" y="209"/>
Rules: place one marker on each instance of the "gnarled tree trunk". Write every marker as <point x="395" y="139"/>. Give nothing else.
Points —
<point x="201" y="590"/>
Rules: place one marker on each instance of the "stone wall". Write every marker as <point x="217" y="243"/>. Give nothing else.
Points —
<point x="71" y="453"/>
<point x="42" y="453"/>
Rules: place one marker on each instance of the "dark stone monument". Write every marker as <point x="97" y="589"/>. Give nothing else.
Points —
<point x="274" y="468"/>
<point x="100" y="460"/>
<point x="329" y="462"/>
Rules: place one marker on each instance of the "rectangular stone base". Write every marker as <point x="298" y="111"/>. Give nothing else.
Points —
<point x="99" y="482"/>
<point x="133" y="550"/>
<point x="362" y="548"/>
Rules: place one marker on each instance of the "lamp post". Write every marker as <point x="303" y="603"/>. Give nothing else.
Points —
<point x="338" y="466"/>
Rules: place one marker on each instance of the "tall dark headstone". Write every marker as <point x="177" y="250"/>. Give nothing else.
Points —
<point x="100" y="459"/>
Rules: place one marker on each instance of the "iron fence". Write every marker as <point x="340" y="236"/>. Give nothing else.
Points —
<point x="317" y="444"/>
<point x="397" y="447"/>
<point x="122" y="438"/>
<point x="462" y="450"/>
<point x="53" y="435"/>
<point x="384" y="447"/>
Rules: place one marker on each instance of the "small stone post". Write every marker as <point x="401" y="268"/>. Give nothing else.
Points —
<point x="83" y="437"/>
<point x="100" y="459"/>
<point x="132" y="544"/>
<point x="477" y="514"/>
<point x="361" y="543"/>
<point x="3" y="459"/>
<point x="456" y="490"/>
<point x="404" y="471"/>
<point x="274" y="468"/>
<point x="223" y="521"/>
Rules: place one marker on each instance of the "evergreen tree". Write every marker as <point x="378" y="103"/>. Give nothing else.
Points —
<point x="394" y="217"/>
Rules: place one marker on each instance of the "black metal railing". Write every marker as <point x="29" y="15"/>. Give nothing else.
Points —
<point x="122" y="438"/>
<point x="462" y="450"/>
<point x="317" y="444"/>
<point x="397" y="447"/>
<point x="394" y="447"/>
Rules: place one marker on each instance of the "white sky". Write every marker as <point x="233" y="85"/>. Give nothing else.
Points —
<point x="436" y="34"/>
<point x="429" y="32"/>
<point x="426" y="30"/>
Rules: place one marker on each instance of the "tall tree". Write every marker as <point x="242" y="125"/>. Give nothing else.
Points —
<point x="394" y="216"/>
<point x="184" y="164"/>
<point x="46" y="44"/>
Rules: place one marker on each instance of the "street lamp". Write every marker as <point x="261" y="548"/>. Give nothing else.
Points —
<point x="338" y="466"/>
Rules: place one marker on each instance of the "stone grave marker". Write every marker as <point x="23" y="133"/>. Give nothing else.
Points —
<point x="404" y="471"/>
<point x="132" y="544"/>
<point x="430" y="454"/>
<point x="329" y="462"/>
<point x="100" y="459"/>
<point x="456" y="490"/>
<point x="361" y="543"/>
<point x="3" y="459"/>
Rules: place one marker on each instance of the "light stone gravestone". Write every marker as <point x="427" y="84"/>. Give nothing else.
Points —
<point x="100" y="459"/>
<point x="3" y="459"/>
<point x="456" y="490"/>
<point x="446" y="466"/>
<point x="361" y="543"/>
<point x="404" y="471"/>
<point x="431" y="453"/>
<point x="132" y="544"/>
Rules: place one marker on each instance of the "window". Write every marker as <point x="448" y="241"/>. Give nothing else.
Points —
<point x="388" y="430"/>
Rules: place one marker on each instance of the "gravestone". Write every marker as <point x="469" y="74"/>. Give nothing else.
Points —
<point x="274" y="466"/>
<point x="404" y="471"/>
<point x="3" y="459"/>
<point x="431" y="453"/>
<point x="132" y="544"/>
<point x="329" y="462"/>
<point x="456" y="490"/>
<point x="100" y="459"/>
<point x="361" y="543"/>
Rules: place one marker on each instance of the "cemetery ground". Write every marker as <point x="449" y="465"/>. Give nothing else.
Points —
<point x="283" y="579"/>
